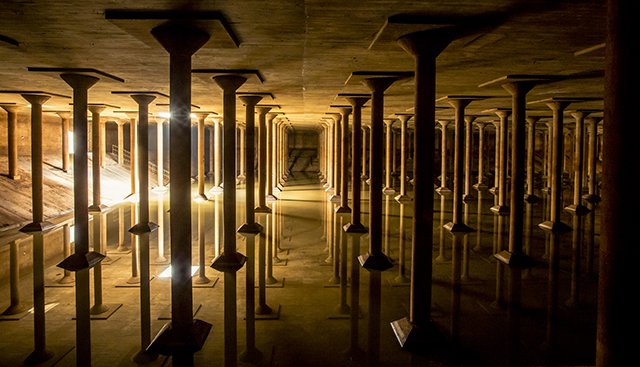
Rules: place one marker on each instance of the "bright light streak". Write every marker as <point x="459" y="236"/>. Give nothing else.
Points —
<point x="166" y="273"/>
<point x="70" y="141"/>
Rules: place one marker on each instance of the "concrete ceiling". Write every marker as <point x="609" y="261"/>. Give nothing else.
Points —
<point x="306" y="51"/>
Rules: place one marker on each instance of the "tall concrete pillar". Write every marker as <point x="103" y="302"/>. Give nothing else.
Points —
<point x="64" y="117"/>
<point x="337" y="157"/>
<point x="271" y="157"/>
<point x="183" y="336"/>
<point x="530" y="197"/>
<point x="201" y="116"/>
<point x="262" y="159"/>
<point x="160" y="188"/>
<point x="365" y="150"/>
<point x="217" y="157"/>
<point x="388" y="185"/>
<point x="481" y="185"/>
<point x="502" y="133"/>
<point x="443" y="189"/>
<point x="356" y="101"/>
<point x="578" y="163"/>
<point x="328" y="154"/>
<point x="404" y="152"/>
<point x="241" y="141"/>
<point x="344" y="161"/>
<point x="82" y="259"/>
<point x="212" y="151"/>
<point x="415" y="330"/>
<point x="229" y="261"/>
<point x="16" y="306"/>
<point x="95" y="110"/>
<point x="592" y="157"/>
<point x="375" y="260"/>
<point x="12" y="140"/>
<point x="468" y="148"/>
<point x="548" y="157"/>
<point x="496" y="160"/>
<point x="133" y="156"/>
<point x="103" y="143"/>
<point x="144" y="227"/>
<point x="120" y="133"/>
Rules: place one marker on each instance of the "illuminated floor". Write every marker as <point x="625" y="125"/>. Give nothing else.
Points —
<point x="478" y="326"/>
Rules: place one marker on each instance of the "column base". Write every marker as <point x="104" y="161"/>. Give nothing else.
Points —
<point x="403" y="198"/>
<point x="271" y="197"/>
<point x="443" y="191"/>
<point x="168" y="342"/>
<point x="202" y="279"/>
<point x="494" y="191"/>
<point x="37" y="227"/>
<point x="364" y="177"/>
<point x="414" y="337"/>
<point x="343" y="210"/>
<point x="577" y="209"/>
<point x="515" y="259"/>
<point x="531" y="198"/>
<point x="216" y="190"/>
<point x="480" y="186"/>
<point x="557" y="226"/>
<point x="144" y="357"/>
<point x="501" y="210"/>
<point x="253" y="228"/>
<point x="200" y="198"/>
<point x="37" y="357"/>
<point x="458" y="228"/>
<point x="468" y="198"/>
<point x="368" y="181"/>
<point x="228" y="263"/>
<point x="250" y="355"/>
<point x="401" y="280"/>
<point x="326" y="186"/>
<point x="277" y="188"/>
<point x="264" y="312"/>
<point x="379" y="262"/>
<point x="141" y="228"/>
<point x="546" y="189"/>
<point x="355" y="228"/>
<point x="262" y="209"/>
<point x="79" y="261"/>
<point x="97" y="208"/>
<point x="388" y="190"/>
<point x="591" y="198"/>
<point x="334" y="198"/>
<point x="15" y="310"/>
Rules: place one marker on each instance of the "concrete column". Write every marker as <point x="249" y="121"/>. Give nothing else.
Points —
<point x="160" y="156"/>
<point x="133" y="155"/>
<point x="217" y="153"/>
<point x="271" y="157"/>
<point x="388" y="185"/>
<point x="402" y="196"/>
<point x="502" y="208"/>
<point x="120" y="142"/>
<point x="144" y="227"/>
<point x="375" y="260"/>
<point x="344" y="166"/>
<point x="548" y="156"/>
<point x="16" y="306"/>
<point x="530" y="197"/>
<point x="443" y="189"/>
<point x="414" y="331"/>
<point x="468" y="149"/>
<point x="592" y="157"/>
<point x="64" y="117"/>
<point x="241" y="175"/>
<point x="496" y="160"/>
<point x="481" y="185"/>
<point x="251" y="226"/>
<point x="229" y="261"/>
<point x="95" y="110"/>
<point x="103" y="142"/>
<point x="554" y="223"/>
<point x="212" y="155"/>
<point x="578" y="163"/>
<point x="82" y="259"/>
<point x="262" y="160"/>
<point x="337" y="158"/>
<point x="356" y="101"/>
<point x="618" y="256"/>
<point x="365" y="149"/>
<point x="12" y="140"/>
<point x="181" y="41"/>
<point x="201" y="116"/>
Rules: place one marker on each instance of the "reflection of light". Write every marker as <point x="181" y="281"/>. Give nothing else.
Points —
<point x="70" y="140"/>
<point x="47" y="307"/>
<point x="166" y="273"/>
<point x="164" y="115"/>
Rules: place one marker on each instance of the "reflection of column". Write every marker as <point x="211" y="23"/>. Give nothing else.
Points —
<point x="161" y="259"/>
<point x="15" y="307"/>
<point x="401" y="278"/>
<point x="133" y="156"/>
<point x="12" y="140"/>
<point x="443" y="190"/>
<point x="354" y="317"/>
<point x="103" y="143"/>
<point x="262" y="160"/>
<point x="212" y="155"/>
<point x="402" y="196"/>
<point x="343" y="308"/>
<point x="64" y="117"/>
<point x="67" y="276"/>
<point x="365" y="149"/>
<point x="328" y="186"/>
<point x="496" y="160"/>
<point x="388" y="186"/>
<point x="160" y="155"/>
<point x="548" y="157"/>
<point x="442" y="255"/>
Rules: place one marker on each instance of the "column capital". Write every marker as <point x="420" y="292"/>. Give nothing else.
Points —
<point x="229" y="82"/>
<point x="389" y="121"/>
<point x="97" y="109"/>
<point x="64" y="115"/>
<point x="10" y="108"/>
<point x="36" y="98"/>
<point x="404" y="117"/>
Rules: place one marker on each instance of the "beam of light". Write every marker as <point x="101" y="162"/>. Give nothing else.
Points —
<point x="166" y="273"/>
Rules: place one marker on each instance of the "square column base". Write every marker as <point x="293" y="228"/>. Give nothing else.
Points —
<point x="531" y="198"/>
<point x="248" y="229"/>
<point x="458" y="228"/>
<point x="577" y="209"/>
<point x="355" y="228"/>
<point x="480" y="186"/>
<point x="591" y="198"/>
<point x="501" y="210"/>
<point x="416" y="338"/>
<point x="557" y="226"/>
<point x="443" y="190"/>
<point x="262" y="209"/>
<point x="343" y="210"/>
<point x="515" y="259"/>
<point x="467" y="198"/>
<point x="169" y="342"/>
<point x="379" y="262"/>
<point x="403" y="198"/>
